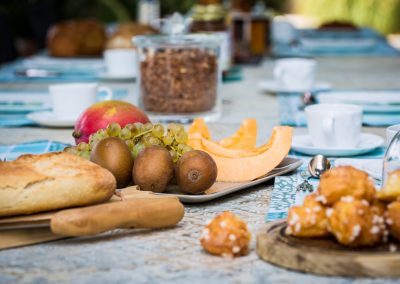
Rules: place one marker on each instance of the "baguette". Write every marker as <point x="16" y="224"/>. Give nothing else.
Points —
<point x="36" y="183"/>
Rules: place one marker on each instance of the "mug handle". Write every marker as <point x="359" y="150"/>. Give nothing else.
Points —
<point x="108" y="91"/>
<point x="328" y="126"/>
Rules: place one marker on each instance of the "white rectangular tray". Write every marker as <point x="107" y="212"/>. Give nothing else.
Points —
<point x="220" y="189"/>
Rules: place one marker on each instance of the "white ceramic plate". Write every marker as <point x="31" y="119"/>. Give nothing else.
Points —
<point x="368" y="142"/>
<point x="111" y="77"/>
<point x="274" y="87"/>
<point x="220" y="189"/>
<point x="336" y="44"/>
<point x="371" y="101"/>
<point x="48" y="118"/>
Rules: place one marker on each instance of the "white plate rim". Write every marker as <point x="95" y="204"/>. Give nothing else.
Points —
<point x="38" y="117"/>
<point x="310" y="150"/>
<point x="294" y="163"/>
<point x="318" y="86"/>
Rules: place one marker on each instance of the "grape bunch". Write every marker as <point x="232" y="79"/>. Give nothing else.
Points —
<point x="138" y="136"/>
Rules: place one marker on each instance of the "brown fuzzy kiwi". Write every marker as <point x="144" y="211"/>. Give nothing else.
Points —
<point x="153" y="169"/>
<point x="196" y="172"/>
<point x="113" y="154"/>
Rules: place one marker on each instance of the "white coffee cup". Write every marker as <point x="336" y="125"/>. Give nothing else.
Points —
<point x="391" y="131"/>
<point x="121" y="62"/>
<point x="295" y="74"/>
<point x="334" y="125"/>
<point x="71" y="99"/>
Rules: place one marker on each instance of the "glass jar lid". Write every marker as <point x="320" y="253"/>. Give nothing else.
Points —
<point x="178" y="41"/>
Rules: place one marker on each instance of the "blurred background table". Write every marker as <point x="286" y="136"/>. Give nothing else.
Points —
<point x="175" y="255"/>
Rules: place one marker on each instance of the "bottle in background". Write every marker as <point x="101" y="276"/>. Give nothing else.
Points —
<point x="148" y="11"/>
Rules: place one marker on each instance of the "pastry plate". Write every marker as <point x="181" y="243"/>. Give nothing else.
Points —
<point x="220" y="189"/>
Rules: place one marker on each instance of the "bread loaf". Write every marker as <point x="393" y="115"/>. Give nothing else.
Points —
<point x="35" y="183"/>
<point x="76" y="38"/>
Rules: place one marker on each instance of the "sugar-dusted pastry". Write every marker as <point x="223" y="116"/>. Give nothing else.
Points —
<point x="345" y="181"/>
<point x="357" y="223"/>
<point x="391" y="190"/>
<point x="308" y="220"/>
<point x="393" y="219"/>
<point x="226" y="235"/>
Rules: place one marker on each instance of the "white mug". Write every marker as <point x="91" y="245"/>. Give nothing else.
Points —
<point x="71" y="99"/>
<point x="295" y="74"/>
<point x="391" y="131"/>
<point x="121" y="62"/>
<point x="334" y="125"/>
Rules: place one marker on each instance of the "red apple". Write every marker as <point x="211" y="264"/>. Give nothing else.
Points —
<point x="101" y="114"/>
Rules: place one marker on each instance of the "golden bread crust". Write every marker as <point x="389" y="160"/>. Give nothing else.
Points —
<point x="35" y="183"/>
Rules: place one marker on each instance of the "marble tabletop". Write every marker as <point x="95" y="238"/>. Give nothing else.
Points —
<point x="175" y="255"/>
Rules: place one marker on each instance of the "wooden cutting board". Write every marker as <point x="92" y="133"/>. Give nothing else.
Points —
<point x="325" y="256"/>
<point x="33" y="229"/>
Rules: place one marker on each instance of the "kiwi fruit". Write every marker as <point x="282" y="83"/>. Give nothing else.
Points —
<point x="153" y="169"/>
<point x="196" y="172"/>
<point x="114" y="155"/>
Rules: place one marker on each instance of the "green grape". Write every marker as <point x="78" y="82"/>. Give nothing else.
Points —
<point x="158" y="130"/>
<point x="180" y="148"/>
<point x="139" y="127"/>
<point x="132" y="128"/>
<point x="137" y="148"/>
<point x="174" y="155"/>
<point x="148" y="126"/>
<point x="181" y="137"/>
<point x="154" y="141"/>
<point x="125" y="134"/>
<point x="186" y="148"/>
<point x="83" y="147"/>
<point x="113" y="129"/>
<point x="130" y="143"/>
<point x="175" y="128"/>
<point x="168" y="140"/>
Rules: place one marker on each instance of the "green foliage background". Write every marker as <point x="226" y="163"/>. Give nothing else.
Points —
<point x="382" y="15"/>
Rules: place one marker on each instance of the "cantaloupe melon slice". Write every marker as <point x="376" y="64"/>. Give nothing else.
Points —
<point x="199" y="126"/>
<point x="198" y="142"/>
<point x="244" y="138"/>
<point x="250" y="168"/>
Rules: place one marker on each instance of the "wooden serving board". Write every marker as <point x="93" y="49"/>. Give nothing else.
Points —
<point x="325" y="256"/>
<point x="33" y="229"/>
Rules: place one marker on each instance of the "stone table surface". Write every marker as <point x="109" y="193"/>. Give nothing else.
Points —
<point x="174" y="255"/>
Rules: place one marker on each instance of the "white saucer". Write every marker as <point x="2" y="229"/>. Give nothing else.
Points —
<point x="107" y="76"/>
<point x="368" y="142"/>
<point x="274" y="87"/>
<point x="48" y="118"/>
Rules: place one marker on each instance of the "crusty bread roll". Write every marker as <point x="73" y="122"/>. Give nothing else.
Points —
<point x="122" y="37"/>
<point x="76" y="38"/>
<point x="35" y="183"/>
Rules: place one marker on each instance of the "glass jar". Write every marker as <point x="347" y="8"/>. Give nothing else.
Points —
<point x="179" y="77"/>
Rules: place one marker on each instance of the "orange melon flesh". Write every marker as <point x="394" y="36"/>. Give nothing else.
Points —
<point x="244" y="138"/>
<point x="199" y="126"/>
<point x="215" y="148"/>
<point x="250" y="168"/>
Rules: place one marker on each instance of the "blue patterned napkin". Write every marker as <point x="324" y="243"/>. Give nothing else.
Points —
<point x="11" y="152"/>
<point x="307" y="45"/>
<point x="291" y="112"/>
<point x="285" y="195"/>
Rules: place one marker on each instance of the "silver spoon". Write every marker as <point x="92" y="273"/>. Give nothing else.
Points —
<point x="316" y="167"/>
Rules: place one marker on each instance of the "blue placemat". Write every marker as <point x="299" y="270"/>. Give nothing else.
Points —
<point x="285" y="195"/>
<point x="11" y="152"/>
<point x="380" y="46"/>
<point x="16" y="104"/>
<point x="291" y="112"/>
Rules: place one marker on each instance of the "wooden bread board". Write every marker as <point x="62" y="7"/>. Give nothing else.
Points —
<point x="33" y="229"/>
<point x="325" y="256"/>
